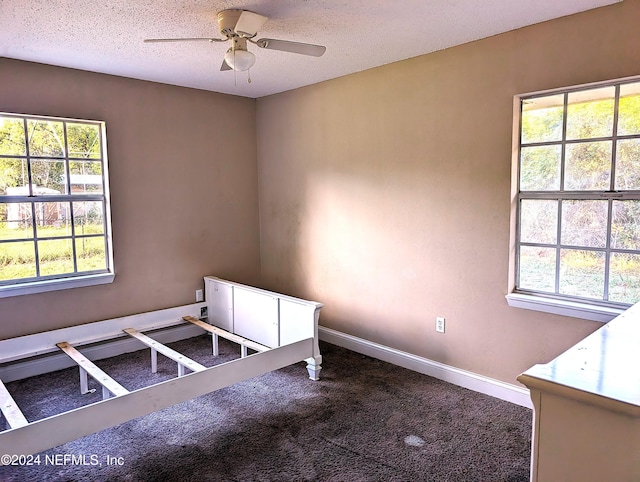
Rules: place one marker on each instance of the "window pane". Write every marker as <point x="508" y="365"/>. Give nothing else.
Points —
<point x="52" y="219"/>
<point x="14" y="177"/>
<point x="628" y="164"/>
<point x="590" y="113"/>
<point x="588" y="166"/>
<point x="56" y="257"/>
<point x="537" y="268"/>
<point x="17" y="260"/>
<point x="624" y="278"/>
<point x="91" y="254"/>
<point x="15" y="221"/>
<point x="542" y="119"/>
<point x="629" y="109"/>
<point x="86" y="177"/>
<point x="46" y="138"/>
<point x="582" y="273"/>
<point x="88" y="218"/>
<point x="584" y="223"/>
<point x="84" y="140"/>
<point x="12" y="137"/>
<point x="540" y="168"/>
<point x="538" y="221"/>
<point x="625" y="226"/>
<point x="48" y="177"/>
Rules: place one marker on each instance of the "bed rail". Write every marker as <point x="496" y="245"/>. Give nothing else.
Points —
<point x="26" y="346"/>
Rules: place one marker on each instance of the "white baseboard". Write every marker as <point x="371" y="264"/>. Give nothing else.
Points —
<point x="473" y="381"/>
<point x="59" y="361"/>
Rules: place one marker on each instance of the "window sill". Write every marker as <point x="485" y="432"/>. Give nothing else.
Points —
<point x="55" y="285"/>
<point x="585" y="311"/>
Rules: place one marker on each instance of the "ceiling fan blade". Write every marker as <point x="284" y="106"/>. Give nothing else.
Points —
<point x="249" y="23"/>
<point x="197" y="39"/>
<point x="294" y="47"/>
<point x="224" y="66"/>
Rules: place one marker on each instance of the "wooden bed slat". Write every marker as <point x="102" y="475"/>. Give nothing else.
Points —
<point x="166" y="351"/>
<point x="226" y="334"/>
<point x="101" y="377"/>
<point x="10" y="409"/>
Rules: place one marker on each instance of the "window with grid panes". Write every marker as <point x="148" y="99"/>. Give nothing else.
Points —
<point x="54" y="204"/>
<point x="578" y="213"/>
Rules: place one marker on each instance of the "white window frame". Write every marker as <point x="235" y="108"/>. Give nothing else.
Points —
<point x="71" y="280"/>
<point x="548" y="303"/>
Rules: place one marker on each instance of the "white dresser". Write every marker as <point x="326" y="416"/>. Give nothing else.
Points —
<point x="587" y="407"/>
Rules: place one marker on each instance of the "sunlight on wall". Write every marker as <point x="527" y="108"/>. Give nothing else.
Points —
<point x="362" y="253"/>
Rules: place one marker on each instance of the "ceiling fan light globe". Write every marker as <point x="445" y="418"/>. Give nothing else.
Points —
<point x="239" y="60"/>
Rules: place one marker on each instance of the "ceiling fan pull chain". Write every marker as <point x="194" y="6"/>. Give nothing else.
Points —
<point x="235" y="82"/>
<point x="249" y="76"/>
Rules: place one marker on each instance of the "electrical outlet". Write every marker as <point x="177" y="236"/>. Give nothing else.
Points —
<point x="440" y="324"/>
<point x="199" y="296"/>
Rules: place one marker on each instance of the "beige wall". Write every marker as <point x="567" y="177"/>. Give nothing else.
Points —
<point x="386" y="194"/>
<point x="183" y="189"/>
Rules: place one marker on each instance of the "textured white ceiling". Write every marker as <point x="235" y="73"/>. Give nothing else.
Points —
<point x="107" y="36"/>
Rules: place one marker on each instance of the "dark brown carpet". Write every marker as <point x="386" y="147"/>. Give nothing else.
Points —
<point x="365" y="420"/>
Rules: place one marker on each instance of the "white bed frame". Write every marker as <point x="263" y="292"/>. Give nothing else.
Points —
<point x="281" y="329"/>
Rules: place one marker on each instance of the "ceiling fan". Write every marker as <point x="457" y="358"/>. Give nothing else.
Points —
<point x="240" y="27"/>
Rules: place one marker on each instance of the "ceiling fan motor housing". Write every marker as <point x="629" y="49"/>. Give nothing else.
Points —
<point x="227" y="21"/>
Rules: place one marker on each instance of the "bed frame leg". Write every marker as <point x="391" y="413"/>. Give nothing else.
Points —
<point x="105" y="393"/>
<point x="214" y="341"/>
<point x="243" y="350"/>
<point x="154" y="360"/>
<point x="314" y="367"/>
<point x="84" y="383"/>
<point x="180" y="370"/>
